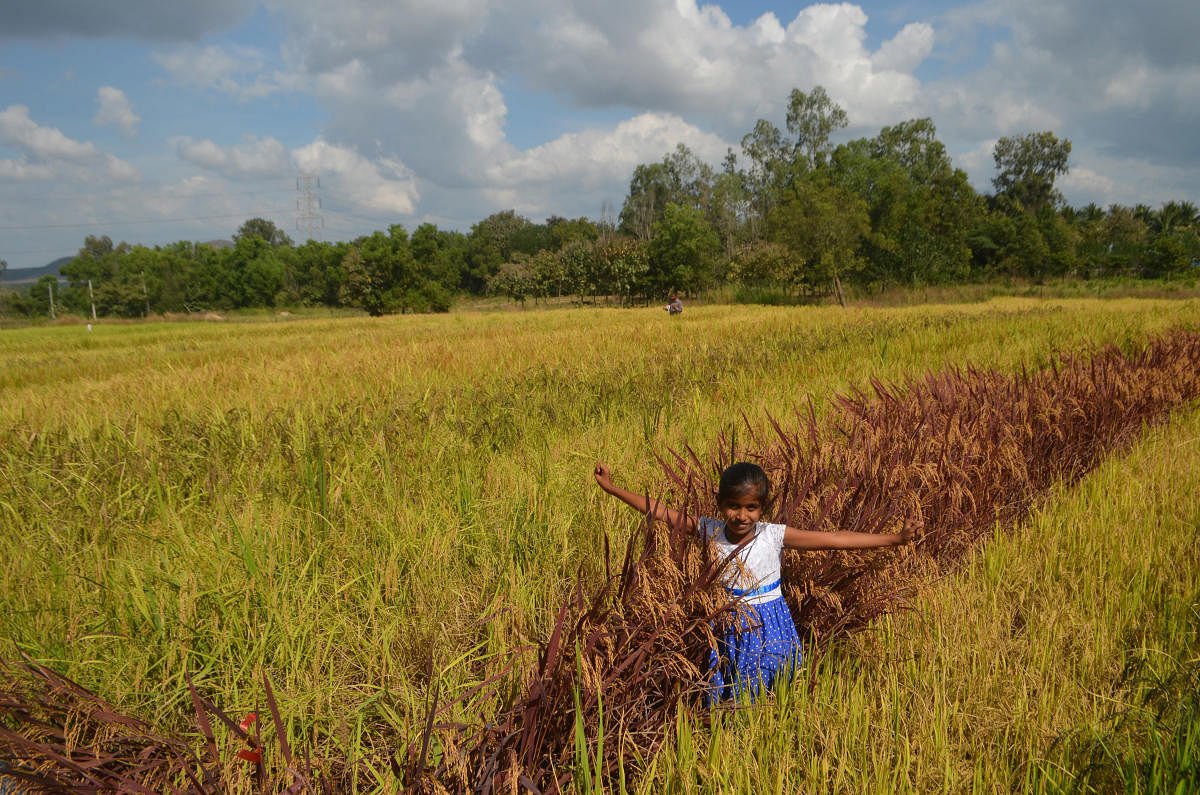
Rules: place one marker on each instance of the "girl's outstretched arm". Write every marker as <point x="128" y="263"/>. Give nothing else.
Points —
<point x="795" y="538"/>
<point x="641" y="502"/>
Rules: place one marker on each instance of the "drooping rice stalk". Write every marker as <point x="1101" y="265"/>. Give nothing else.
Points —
<point x="967" y="450"/>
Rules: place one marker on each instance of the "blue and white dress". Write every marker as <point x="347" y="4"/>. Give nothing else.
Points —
<point x="761" y="644"/>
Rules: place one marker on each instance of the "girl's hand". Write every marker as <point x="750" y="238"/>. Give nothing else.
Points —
<point x="603" y="476"/>
<point x="911" y="525"/>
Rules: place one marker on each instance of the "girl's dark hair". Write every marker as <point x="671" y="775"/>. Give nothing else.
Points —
<point x="742" y="477"/>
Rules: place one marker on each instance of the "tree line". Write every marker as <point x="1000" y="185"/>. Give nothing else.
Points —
<point x="791" y="213"/>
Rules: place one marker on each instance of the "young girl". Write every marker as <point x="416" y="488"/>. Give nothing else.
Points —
<point x="761" y="645"/>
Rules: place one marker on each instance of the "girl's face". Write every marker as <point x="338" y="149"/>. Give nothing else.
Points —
<point x="741" y="511"/>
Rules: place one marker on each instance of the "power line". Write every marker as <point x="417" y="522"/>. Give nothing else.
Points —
<point x="26" y="198"/>
<point x="243" y="214"/>
<point x="349" y="218"/>
<point x="8" y="253"/>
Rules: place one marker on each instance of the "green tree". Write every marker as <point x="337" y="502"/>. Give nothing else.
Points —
<point x="413" y="288"/>
<point x="516" y="279"/>
<point x="1172" y="254"/>
<point x="683" y="251"/>
<point x="729" y="211"/>
<point x="550" y="273"/>
<point x="823" y="225"/>
<point x="532" y="238"/>
<point x="1175" y="216"/>
<point x="777" y="162"/>
<point x="121" y="298"/>
<point x="254" y="273"/>
<point x="127" y="281"/>
<point x="580" y="268"/>
<point x="360" y="285"/>
<point x="140" y="274"/>
<point x="681" y="178"/>
<point x="440" y="255"/>
<point x="380" y="275"/>
<point x="490" y="244"/>
<point x="1062" y="247"/>
<point x="427" y="296"/>
<point x="1092" y="212"/>
<point x="1125" y="236"/>
<point x="1009" y="245"/>
<point x="263" y="229"/>
<point x="170" y="276"/>
<point x="564" y="230"/>
<point x="763" y="264"/>
<point x="371" y="274"/>
<point x="621" y="265"/>
<point x="206" y="279"/>
<point x="318" y="272"/>
<point x="1146" y="215"/>
<point x="812" y="118"/>
<point x="38" y="303"/>
<point x="769" y="167"/>
<point x="96" y="260"/>
<point x="914" y="146"/>
<point x="1027" y="166"/>
<point x="692" y="177"/>
<point x="14" y="303"/>
<point x="649" y="191"/>
<point x="921" y="208"/>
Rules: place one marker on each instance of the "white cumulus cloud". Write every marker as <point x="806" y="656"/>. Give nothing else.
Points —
<point x="19" y="170"/>
<point x="449" y="110"/>
<point x="242" y="72"/>
<point x="254" y="157"/>
<point x="36" y="141"/>
<point x="116" y="110"/>
<point x="564" y="175"/>
<point x="46" y="153"/>
<point x="1123" y="76"/>
<point x="905" y="51"/>
<point x="120" y="170"/>
<point x="428" y="81"/>
<point x="683" y="58"/>
<point x="383" y="186"/>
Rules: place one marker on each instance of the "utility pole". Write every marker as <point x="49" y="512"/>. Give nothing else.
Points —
<point x="146" y="294"/>
<point x="92" y="299"/>
<point x="308" y="221"/>
<point x="50" y="289"/>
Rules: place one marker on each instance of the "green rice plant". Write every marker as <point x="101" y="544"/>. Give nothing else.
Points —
<point x="1148" y="740"/>
<point x="162" y="507"/>
<point x="967" y="451"/>
<point x="589" y="767"/>
<point x="1009" y="664"/>
<point x="964" y="450"/>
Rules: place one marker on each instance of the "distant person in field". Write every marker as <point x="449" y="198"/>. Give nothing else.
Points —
<point x="674" y="305"/>
<point x="761" y="646"/>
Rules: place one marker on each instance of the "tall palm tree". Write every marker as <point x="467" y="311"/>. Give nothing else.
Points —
<point x="1172" y="217"/>
<point x="1191" y="213"/>
<point x="1143" y="213"/>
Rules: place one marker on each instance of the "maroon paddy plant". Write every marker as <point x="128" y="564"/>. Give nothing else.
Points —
<point x="966" y="451"/>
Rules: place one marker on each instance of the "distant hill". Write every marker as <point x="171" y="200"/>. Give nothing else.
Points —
<point x="14" y="277"/>
<point x="19" y="277"/>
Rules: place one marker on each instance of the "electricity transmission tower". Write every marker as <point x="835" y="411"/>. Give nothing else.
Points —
<point x="308" y="221"/>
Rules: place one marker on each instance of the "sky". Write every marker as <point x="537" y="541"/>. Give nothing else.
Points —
<point x="155" y="122"/>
